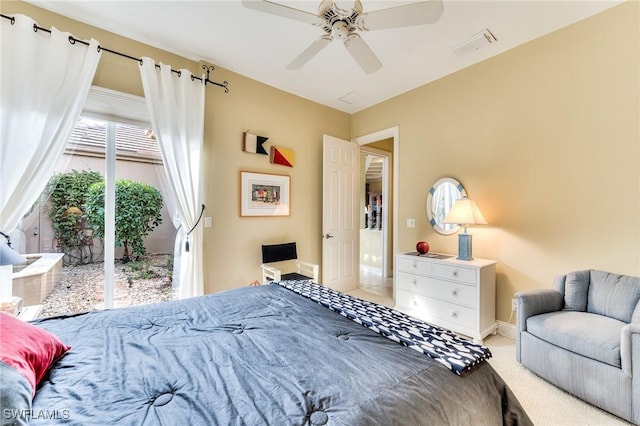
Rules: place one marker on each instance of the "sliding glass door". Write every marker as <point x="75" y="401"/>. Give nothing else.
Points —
<point x="105" y="210"/>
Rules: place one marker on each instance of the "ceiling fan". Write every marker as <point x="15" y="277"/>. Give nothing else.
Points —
<point x="344" y="24"/>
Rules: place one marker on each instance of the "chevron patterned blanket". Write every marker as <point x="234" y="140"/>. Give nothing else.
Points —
<point x="455" y="353"/>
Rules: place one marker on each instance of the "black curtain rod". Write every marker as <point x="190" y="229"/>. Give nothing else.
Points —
<point x="73" y="40"/>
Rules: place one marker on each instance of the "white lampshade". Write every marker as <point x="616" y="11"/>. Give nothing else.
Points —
<point x="465" y="212"/>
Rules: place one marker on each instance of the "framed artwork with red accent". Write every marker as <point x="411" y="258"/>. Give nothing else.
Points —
<point x="264" y="194"/>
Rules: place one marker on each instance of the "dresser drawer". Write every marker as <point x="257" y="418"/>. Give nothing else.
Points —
<point x="455" y="273"/>
<point x="427" y="308"/>
<point x="416" y="266"/>
<point x="459" y="293"/>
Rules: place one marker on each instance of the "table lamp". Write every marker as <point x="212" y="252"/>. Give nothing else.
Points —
<point x="465" y="212"/>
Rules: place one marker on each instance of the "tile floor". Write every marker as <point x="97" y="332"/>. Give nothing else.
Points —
<point x="374" y="287"/>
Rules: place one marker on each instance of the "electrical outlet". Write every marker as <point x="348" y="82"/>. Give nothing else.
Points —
<point x="514" y="306"/>
<point x="411" y="223"/>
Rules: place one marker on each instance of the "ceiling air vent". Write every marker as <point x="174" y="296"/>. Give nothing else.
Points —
<point x="351" y="98"/>
<point x="477" y="41"/>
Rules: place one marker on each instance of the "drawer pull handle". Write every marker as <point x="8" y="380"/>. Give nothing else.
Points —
<point x="414" y="281"/>
<point x="454" y="292"/>
<point x="454" y="315"/>
<point x="415" y="302"/>
<point x="414" y="265"/>
<point x="454" y="273"/>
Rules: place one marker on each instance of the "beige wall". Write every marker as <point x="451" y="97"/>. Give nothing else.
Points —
<point x="546" y="139"/>
<point x="232" y="245"/>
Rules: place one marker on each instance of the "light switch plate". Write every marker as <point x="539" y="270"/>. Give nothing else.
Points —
<point x="208" y="222"/>
<point x="411" y="223"/>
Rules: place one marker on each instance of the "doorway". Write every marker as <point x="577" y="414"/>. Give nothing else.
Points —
<point x="374" y="230"/>
<point x="342" y="213"/>
<point x="374" y="202"/>
<point x="378" y="206"/>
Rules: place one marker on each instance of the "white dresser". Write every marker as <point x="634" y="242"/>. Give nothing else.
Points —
<point x="455" y="294"/>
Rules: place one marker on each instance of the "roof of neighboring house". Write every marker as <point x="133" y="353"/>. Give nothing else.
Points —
<point x="133" y="143"/>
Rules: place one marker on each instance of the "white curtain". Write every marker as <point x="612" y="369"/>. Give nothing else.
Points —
<point x="44" y="84"/>
<point x="176" y="106"/>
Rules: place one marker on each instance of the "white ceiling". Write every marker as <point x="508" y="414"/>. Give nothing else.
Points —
<point x="260" y="46"/>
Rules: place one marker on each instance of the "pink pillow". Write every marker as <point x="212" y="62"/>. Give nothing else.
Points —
<point x="29" y="349"/>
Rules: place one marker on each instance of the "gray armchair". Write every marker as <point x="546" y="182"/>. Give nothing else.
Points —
<point x="584" y="337"/>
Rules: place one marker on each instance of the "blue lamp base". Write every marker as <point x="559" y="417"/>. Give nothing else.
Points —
<point x="464" y="247"/>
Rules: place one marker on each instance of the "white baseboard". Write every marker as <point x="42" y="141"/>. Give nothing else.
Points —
<point x="506" y="329"/>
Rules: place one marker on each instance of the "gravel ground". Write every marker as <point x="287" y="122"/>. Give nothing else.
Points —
<point x="135" y="283"/>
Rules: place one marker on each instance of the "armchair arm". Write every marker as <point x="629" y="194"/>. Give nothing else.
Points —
<point x="534" y="302"/>
<point x="630" y="340"/>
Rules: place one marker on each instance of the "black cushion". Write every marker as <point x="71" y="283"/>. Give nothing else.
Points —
<point x="279" y="252"/>
<point x="292" y="276"/>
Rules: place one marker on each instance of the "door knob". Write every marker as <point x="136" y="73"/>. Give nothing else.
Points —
<point x="327" y="236"/>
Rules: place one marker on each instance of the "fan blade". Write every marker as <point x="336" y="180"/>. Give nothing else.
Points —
<point x="309" y="52"/>
<point x="363" y="55"/>
<point x="425" y="12"/>
<point x="282" y="10"/>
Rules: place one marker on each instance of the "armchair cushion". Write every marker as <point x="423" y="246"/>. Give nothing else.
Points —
<point x="576" y="291"/>
<point x="635" y="317"/>
<point x="612" y="295"/>
<point x="590" y="335"/>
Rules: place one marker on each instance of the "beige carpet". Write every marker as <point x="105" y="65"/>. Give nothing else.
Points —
<point x="545" y="404"/>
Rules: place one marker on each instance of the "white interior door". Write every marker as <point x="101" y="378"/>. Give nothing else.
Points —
<point x="340" y="220"/>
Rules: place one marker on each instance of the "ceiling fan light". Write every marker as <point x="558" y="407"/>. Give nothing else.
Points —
<point x="339" y="30"/>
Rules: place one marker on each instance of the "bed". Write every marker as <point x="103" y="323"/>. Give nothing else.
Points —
<point x="277" y="354"/>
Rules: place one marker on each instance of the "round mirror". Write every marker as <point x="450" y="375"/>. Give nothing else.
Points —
<point x="440" y="199"/>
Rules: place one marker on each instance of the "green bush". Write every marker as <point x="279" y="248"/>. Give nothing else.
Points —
<point x="66" y="193"/>
<point x="138" y="208"/>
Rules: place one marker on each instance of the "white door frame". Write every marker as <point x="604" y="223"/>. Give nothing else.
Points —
<point x="392" y="132"/>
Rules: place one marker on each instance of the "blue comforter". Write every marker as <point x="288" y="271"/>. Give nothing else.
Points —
<point x="255" y="356"/>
